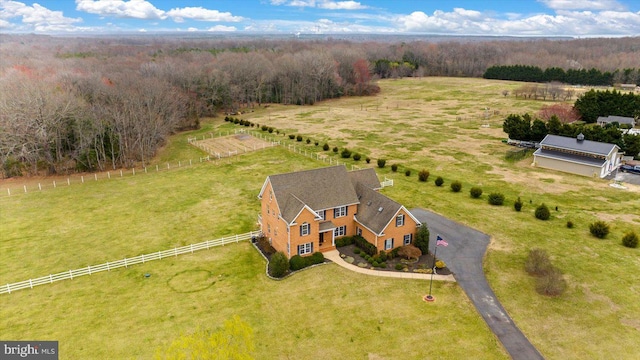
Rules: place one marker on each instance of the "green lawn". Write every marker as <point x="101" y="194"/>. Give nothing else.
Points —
<point x="431" y="123"/>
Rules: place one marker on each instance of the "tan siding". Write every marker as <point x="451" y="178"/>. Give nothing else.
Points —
<point x="398" y="232"/>
<point x="569" y="167"/>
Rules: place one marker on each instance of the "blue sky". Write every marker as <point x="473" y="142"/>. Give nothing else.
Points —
<point x="583" y="18"/>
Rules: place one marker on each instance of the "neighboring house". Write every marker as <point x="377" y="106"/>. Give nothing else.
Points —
<point x="604" y="120"/>
<point x="577" y="156"/>
<point x="304" y="212"/>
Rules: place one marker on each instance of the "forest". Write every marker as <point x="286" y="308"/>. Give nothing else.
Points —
<point x="84" y="104"/>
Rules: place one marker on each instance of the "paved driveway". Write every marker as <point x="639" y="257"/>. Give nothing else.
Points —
<point x="464" y="257"/>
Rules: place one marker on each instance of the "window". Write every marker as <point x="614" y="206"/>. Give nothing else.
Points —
<point x="340" y="212"/>
<point x="270" y="194"/>
<point x="305" y="229"/>
<point x="358" y="231"/>
<point x="388" y="244"/>
<point x="340" y="231"/>
<point x="399" y="220"/>
<point x="323" y="214"/>
<point x="269" y="228"/>
<point x="268" y="212"/>
<point x="305" y="249"/>
<point x="408" y="238"/>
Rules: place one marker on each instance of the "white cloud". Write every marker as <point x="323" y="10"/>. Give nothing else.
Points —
<point x="135" y="9"/>
<point x="221" y="28"/>
<point x="322" y="4"/>
<point x="583" y="5"/>
<point x="201" y="14"/>
<point x="35" y="18"/>
<point x="341" y="5"/>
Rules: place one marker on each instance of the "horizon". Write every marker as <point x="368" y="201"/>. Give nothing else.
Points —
<point x="461" y="18"/>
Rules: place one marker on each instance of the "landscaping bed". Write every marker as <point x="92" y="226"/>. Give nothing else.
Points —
<point x="423" y="265"/>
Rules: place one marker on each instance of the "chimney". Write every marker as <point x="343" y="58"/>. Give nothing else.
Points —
<point x="580" y="137"/>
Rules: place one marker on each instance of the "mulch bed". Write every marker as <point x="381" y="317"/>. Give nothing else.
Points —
<point x="424" y="262"/>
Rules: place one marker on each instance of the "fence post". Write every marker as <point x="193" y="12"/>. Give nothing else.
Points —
<point x="9" y="288"/>
<point x="175" y="251"/>
<point x="236" y="238"/>
<point x="168" y="166"/>
<point x="95" y="176"/>
<point x="134" y="171"/>
<point x="89" y="267"/>
<point x="68" y="182"/>
<point x="40" y="186"/>
<point x="160" y="255"/>
<point x="50" y="279"/>
<point x="120" y="173"/>
<point x="108" y="174"/>
<point x="54" y="183"/>
<point x="143" y="258"/>
<point x="191" y="246"/>
<point x="31" y="283"/>
<point x="9" y="192"/>
<point x="25" y="188"/>
<point x="108" y="268"/>
<point x="71" y="274"/>
<point x="125" y="262"/>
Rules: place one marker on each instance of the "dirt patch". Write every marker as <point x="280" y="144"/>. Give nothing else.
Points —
<point x="231" y="145"/>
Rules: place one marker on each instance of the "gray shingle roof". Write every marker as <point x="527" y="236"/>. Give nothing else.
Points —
<point x="569" y="143"/>
<point x="323" y="188"/>
<point x="375" y="210"/>
<point x="367" y="177"/>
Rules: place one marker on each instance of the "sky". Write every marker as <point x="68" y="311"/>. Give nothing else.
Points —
<point x="578" y="18"/>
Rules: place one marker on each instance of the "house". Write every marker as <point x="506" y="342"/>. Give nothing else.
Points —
<point x="577" y="155"/>
<point x="621" y="120"/>
<point x="306" y="211"/>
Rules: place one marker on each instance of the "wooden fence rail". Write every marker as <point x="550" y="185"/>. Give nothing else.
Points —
<point x="126" y="262"/>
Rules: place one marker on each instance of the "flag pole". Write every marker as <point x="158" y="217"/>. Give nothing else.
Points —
<point x="433" y="270"/>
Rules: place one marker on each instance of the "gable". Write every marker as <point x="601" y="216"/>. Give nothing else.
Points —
<point x="375" y="210"/>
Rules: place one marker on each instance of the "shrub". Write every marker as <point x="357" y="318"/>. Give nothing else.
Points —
<point x="630" y="240"/>
<point x="357" y="157"/>
<point x="368" y="160"/>
<point x="409" y="252"/>
<point x="399" y="266"/>
<point x="422" y="238"/>
<point x="393" y="253"/>
<point x="382" y="255"/>
<point x="423" y="175"/>
<point x="394" y="167"/>
<point x="570" y="224"/>
<point x="475" y="192"/>
<point x="325" y="147"/>
<point x="315" y="143"/>
<point x="297" y="262"/>
<point x="315" y="258"/>
<point x="381" y="163"/>
<point x="599" y="229"/>
<point x="270" y="130"/>
<point x="383" y="264"/>
<point x="407" y="173"/>
<point x="456" y="186"/>
<point x="344" y="241"/>
<point x="278" y="265"/>
<point x="345" y="153"/>
<point x="292" y="136"/>
<point x="299" y="138"/>
<point x="267" y="249"/>
<point x="440" y="264"/>
<point x="496" y="199"/>
<point x="335" y="149"/>
<point x="364" y="245"/>
<point x="518" y="206"/>
<point x="308" y="141"/>
<point x="264" y="128"/>
<point x="537" y="263"/>
<point x="552" y="283"/>
<point x="542" y="212"/>
<point x="439" y="181"/>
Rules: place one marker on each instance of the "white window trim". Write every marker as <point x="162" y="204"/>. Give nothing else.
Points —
<point x="404" y="240"/>
<point x="305" y="229"/>
<point x="340" y="229"/>
<point x="340" y="212"/>
<point x="390" y="242"/>
<point x="306" y="248"/>
<point x="400" y="220"/>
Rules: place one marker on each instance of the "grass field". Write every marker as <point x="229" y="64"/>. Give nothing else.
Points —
<point x="432" y="123"/>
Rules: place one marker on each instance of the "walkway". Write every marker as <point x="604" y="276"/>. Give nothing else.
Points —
<point x="464" y="257"/>
<point x="334" y="255"/>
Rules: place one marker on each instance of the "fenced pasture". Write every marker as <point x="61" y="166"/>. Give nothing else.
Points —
<point x="227" y="146"/>
<point x="413" y="123"/>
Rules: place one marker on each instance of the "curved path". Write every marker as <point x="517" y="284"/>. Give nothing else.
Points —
<point x="464" y="257"/>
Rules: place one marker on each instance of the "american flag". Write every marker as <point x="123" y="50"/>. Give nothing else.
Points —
<point x="440" y="241"/>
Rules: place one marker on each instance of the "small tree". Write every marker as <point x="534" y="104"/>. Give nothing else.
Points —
<point x="345" y="153"/>
<point x="542" y="212"/>
<point x="423" y="175"/>
<point x="630" y="240"/>
<point x="407" y="173"/>
<point x="394" y="167"/>
<point x="569" y="224"/>
<point x="381" y="163"/>
<point x="292" y="136"/>
<point x="537" y="263"/>
<point x="335" y="149"/>
<point x="422" y="238"/>
<point x="456" y="186"/>
<point x="409" y="252"/>
<point x="368" y="159"/>
<point x="599" y="229"/>
<point x="325" y="147"/>
<point x="518" y="204"/>
<point x="299" y="138"/>
<point x="357" y="157"/>
<point x="475" y="192"/>
<point x="439" y="181"/>
<point x="278" y="265"/>
<point x="496" y="199"/>
<point x="308" y="141"/>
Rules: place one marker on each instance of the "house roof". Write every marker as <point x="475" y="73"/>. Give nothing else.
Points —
<point x="584" y="146"/>
<point x="319" y="189"/>
<point x="375" y="210"/>
<point x="367" y="177"/>
<point x="618" y="119"/>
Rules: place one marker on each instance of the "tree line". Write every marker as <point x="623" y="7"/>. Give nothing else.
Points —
<point x="86" y="104"/>
<point x="592" y="76"/>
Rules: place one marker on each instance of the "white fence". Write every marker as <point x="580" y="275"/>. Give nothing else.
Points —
<point x="126" y="262"/>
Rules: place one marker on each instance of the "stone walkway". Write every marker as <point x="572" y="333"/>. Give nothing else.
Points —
<point x="334" y="255"/>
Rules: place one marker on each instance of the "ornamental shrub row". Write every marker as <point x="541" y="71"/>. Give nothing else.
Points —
<point x="364" y="245"/>
<point x="298" y="262"/>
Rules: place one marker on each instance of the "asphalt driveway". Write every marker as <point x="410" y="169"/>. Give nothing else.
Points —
<point x="463" y="257"/>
